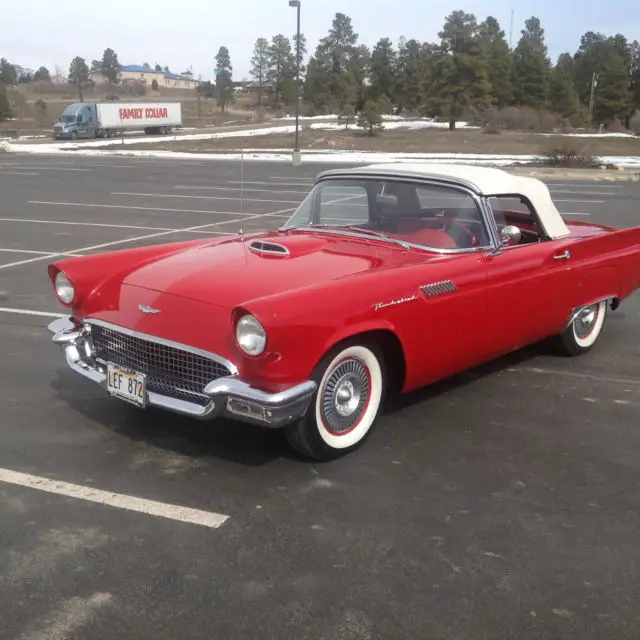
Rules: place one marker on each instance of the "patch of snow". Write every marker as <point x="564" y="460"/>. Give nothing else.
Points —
<point x="310" y="156"/>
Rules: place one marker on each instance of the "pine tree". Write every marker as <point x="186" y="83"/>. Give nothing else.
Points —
<point x="224" y="81"/>
<point x="610" y="59"/>
<point x="282" y="70"/>
<point x="382" y="70"/>
<point x="260" y="65"/>
<point x="460" y="72"/>
<point x="563" y="95"/>
<point x="499" y="61"/>
<point x="409" y="74"/>
<point x="532" y="67"/>
<point x="332" y="72"/>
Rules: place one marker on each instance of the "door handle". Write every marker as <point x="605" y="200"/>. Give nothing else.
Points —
<point x="563" y="256"/>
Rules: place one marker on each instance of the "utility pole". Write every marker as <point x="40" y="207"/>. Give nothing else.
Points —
<point x="296" y="152"/>
<point x="594" y="84"/>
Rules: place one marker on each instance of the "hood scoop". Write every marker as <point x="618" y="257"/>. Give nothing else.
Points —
<point x="266" y="248"/>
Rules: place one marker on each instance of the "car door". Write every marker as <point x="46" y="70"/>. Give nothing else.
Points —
<point x="529" y="289"/>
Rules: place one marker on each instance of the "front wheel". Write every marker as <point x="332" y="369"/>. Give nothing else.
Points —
<point x="583" y="331"/>
<point x="342" y="413"/>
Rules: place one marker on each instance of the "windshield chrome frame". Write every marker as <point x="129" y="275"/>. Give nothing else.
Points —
<point x="481" y="202"/>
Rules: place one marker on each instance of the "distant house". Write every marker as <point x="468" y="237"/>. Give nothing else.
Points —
<point x="146" y="75"/>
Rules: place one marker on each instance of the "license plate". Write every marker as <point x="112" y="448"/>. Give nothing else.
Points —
<point x="126" y="385"/>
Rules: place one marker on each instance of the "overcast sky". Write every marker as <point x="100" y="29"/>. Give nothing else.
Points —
<point x="189" y="32"/>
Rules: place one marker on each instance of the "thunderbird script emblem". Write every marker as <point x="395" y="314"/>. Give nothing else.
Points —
<point x="146" y="309"/>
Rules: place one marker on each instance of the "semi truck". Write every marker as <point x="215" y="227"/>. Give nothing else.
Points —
<point x="110" y="119"/>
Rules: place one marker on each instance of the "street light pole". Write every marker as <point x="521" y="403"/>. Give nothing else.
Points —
<point x="296" y="151"/>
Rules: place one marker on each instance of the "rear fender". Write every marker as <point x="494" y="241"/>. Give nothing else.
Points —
<point x="609" y="265"/>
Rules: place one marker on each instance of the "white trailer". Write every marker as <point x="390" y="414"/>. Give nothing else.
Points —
<point x="108" y="119"/>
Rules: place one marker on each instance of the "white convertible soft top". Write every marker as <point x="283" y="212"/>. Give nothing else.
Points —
<point x="485" y="181"/>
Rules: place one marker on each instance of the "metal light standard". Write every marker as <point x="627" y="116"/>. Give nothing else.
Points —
<point x="296" y="152"/>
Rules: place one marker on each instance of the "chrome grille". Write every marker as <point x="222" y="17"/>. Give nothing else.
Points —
<point x="170" y="371"/>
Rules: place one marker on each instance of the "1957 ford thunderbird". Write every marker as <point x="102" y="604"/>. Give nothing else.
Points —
<point x="385" y="279"/>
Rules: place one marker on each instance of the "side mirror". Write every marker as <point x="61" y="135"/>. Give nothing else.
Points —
<point x="510" y="235"/>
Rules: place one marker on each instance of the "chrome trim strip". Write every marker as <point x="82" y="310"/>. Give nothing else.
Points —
<point x="440" y="288"/>
<point x="233" y="387"/>
<point x="230" y="396"/>
<point x="258" y="246"/>
<point x="406" y="245"/>
<point x="168" y="343"/>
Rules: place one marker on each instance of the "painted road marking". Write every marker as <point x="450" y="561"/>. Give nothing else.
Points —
<point x="127" y="206"/>
<point x="102" y="224"/>
<point x="176" y="195"/>
<point x="41" y="253"/>
<point x="185" y="186"/>
<point x="31" y="312"/>
<point x="120" y="501"/>
<point x="247" y="218"/>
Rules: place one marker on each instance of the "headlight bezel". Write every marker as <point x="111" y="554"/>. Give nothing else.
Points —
<point x="62" y="283"/>
<point x="248" y="326"/>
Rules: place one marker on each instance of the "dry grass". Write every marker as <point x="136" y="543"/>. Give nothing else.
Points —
<point x="37" y="106"/>
<point x="416" y="141"/>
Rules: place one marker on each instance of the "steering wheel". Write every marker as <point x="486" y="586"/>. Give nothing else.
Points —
<point x="449" y="224"/>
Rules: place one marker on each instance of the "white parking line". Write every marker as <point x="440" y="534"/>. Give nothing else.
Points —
<point x="293" y="178"/>
<point x="272" y="184"/>
<point x="102" y="224"/>
<point x="581" y="201"/>
<point x="18" y="173"/>
<point x="145" y="237"/>
<point x="31" y="312"/>
<point x="575" y="185"/>
<point x="175" y="195"/>
<point x="581" y="192"/>
<point x="118" y="500"/>
<point x="191" y="188"/>
<point x="127" y="206"/>
<point x="42" y="253"/>
<point x="42" y="168"/>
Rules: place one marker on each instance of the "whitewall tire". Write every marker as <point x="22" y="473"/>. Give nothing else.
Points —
<point x="584" y="330"/>
<point x="344" y="408"/>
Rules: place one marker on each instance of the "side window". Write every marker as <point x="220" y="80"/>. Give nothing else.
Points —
<point x="344" y="204"/>
<point x="438" y="216"/>
<point x="513" y="210"/>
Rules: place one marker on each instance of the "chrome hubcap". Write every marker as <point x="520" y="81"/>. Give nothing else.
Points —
<point x="585" y="321"/>
<point x="345" y="395"/>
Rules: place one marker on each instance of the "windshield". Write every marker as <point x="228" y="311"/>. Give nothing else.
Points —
<point x="433" y="216"/>
<point x="68" y="119"/>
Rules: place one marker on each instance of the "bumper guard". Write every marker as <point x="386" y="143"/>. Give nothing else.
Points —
<point x="230" y="396"/>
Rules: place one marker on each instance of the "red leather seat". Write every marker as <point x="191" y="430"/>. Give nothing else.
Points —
<point x="415" y="232"/>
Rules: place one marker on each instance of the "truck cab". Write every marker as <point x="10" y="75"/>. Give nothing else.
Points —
<point x="78" y="120"/>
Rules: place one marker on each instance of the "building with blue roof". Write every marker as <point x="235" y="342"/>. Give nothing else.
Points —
<point x="146" y="75"/>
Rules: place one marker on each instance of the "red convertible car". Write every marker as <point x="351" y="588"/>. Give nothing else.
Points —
<point x="385" y="279"/>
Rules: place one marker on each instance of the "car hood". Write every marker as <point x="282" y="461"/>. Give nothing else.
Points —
<point x="236" y="271"/>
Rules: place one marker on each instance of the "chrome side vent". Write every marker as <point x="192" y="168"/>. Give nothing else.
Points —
<point x="271" y="248"/>
<point x="434" y="289"/>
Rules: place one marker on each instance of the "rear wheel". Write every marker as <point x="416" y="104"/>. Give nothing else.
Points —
<point x="583" y="331"/>
<point x="343" y="411"/>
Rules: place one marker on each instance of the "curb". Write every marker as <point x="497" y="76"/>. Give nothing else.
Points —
<point x="597" y="175"/>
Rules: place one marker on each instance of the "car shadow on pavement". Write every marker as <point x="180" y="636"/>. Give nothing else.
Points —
<point x="222" y="438"/>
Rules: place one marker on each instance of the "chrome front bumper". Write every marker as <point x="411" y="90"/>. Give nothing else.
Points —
<point x="230" y="396"/>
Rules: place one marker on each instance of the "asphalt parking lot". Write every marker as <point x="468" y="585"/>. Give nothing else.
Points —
<point x="500" y="504"/>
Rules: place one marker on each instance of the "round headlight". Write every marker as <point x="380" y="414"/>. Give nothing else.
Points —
<point x="251" y="336"/>
<point x="64" y="288"/>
